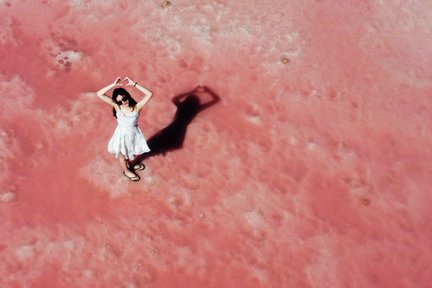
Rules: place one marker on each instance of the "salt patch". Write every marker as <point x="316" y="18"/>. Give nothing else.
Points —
<point x="106" y="176"/>
<point x="69" y="245"/>
<point x="260" y="274"/>
<point x="293" y="53"/>
<point x="255" y="218"/>
<point x="150" y="180"/>
<point x="24" y="252"/>
<point x="6" y="34"/>
<point x="292" y="36"/>
<point x="187" y="198"/>
<point x="88" y="274"/>
<point x="253" y="114"/>
<point x="6" y="145"/>
<point x="65" y="58"/>
<point x="69" y="55"/>
<point x="172" y="200"/>
<point x="254" y="119"/>
<point x="311" y="146"/>
<point x="7" y="197"/>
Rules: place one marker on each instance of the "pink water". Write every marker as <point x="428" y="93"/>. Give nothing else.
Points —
<point x="314" y="169"/>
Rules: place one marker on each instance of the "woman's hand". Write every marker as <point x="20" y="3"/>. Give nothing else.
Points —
<point x="129" y="81"/>
<point x="117" y="81"/>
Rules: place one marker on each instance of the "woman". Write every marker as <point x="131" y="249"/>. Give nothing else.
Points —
<point x="127" y="140"/>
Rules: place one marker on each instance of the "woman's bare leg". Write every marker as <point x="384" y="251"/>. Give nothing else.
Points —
<point x="132" y="162"/>
<point x="125" y="165"/>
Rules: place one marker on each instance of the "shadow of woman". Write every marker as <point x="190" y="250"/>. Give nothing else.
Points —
<point x="172" y="136"/>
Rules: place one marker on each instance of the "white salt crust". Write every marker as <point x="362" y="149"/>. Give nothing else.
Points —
<point x="7" y="197"/>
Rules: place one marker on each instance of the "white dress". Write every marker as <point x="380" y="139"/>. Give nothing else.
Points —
<point x="127" y="138"/>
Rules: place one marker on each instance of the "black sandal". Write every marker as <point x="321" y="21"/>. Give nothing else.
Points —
<point x="132" y="178"/>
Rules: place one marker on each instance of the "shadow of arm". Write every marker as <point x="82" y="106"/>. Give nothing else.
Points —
<point x="177" y="99"/>
<point x="214" y="100"/>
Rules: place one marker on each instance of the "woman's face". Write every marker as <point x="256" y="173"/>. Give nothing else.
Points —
<point x="122" y="100"/>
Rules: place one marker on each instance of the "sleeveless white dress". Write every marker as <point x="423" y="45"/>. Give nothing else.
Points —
<point x="127" y="138"/>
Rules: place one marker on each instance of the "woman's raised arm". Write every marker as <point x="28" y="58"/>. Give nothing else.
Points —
<point x="105" y="98"/>
<point x="147" y="93"/>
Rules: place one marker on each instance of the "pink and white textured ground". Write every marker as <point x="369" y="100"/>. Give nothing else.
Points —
<point x="314" y="169"/>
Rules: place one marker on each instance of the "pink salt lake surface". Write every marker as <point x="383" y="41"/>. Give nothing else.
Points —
<point x="313" y="170"/>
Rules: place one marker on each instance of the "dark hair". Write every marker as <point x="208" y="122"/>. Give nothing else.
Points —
<point x="123" y="92"/>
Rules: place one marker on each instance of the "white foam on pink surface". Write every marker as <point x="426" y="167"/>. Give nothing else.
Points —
<point x="312" y="171"/>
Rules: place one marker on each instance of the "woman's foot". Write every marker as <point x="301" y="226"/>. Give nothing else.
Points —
<point x="131" y="176"/>
<point x="139" y="167"/>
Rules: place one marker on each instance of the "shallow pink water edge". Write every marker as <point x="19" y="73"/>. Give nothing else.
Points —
<point x="312" y="171"/>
